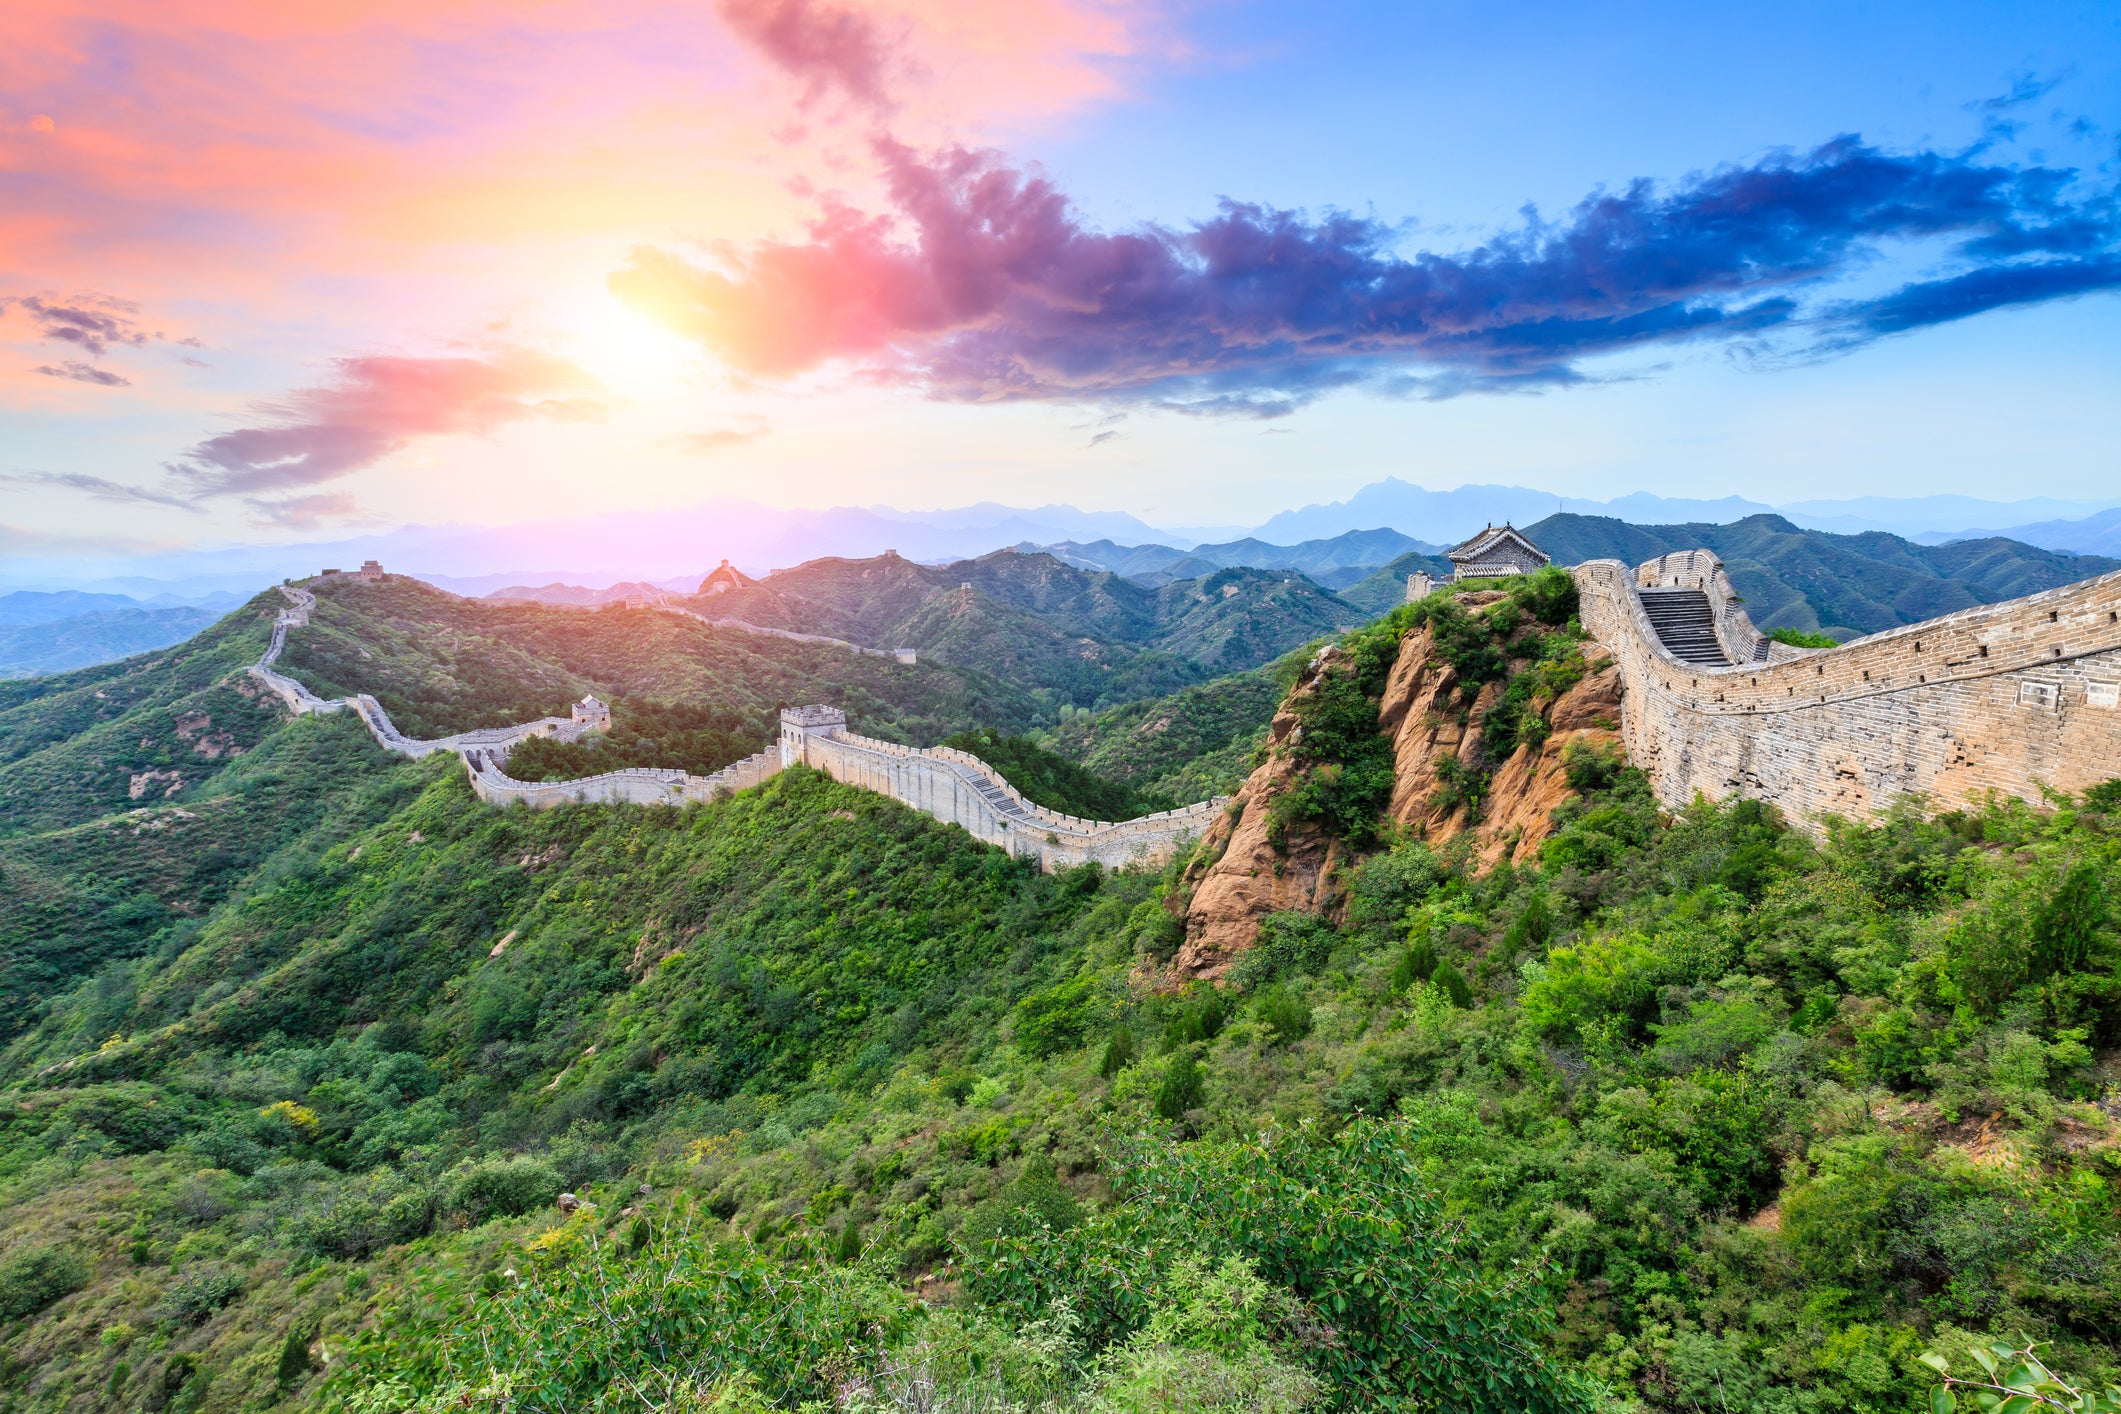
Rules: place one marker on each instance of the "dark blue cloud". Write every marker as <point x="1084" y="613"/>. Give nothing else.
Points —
<point x="985" y="285"/>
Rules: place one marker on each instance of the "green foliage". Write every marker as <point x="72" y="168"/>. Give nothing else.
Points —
<point x="1183" y="1089"/>
<point x="295" y="1362"/>
<point x="1208" y="1349"/>
<point x="1452" y="984"/>
<point x="1799" y="638"/>
<point x="1742" y="1120"/>
<point x="2015" y="1378"/>
<point x="198" y="1293"/>
<point x="1287" y="944"/>
<point x="1119" y="1053"/>
<point x="505" y="1189"/>
<point x="669" y="736"/>
<point x="1345" y="763"/>
<point x="1284" y="1014"/>
<point x="32" y="1278"/>
<point x="1346" y="1224"/>
<point x="1054" y="1019"/>
<point x="1192" y="745"/>
<point x="1054" y="781"/>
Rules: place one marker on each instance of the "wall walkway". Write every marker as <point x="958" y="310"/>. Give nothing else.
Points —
<point x="2006" y="697"/>
<point x="953" y="786"/>
<point x="960" y="789"/>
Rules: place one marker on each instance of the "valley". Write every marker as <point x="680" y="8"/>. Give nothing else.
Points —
<point x="305" y="1042"/>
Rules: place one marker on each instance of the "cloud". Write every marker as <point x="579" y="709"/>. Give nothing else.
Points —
<point x="718" y="439"/>
<point x="97" y="487"/>
<point x="983" y="284"/>
<point x="310" y="512"/>
<point x="2025" y="88"/>
<point x="375" y="406"/>
<point x="85" y="373"/>
<point x="89" y="322"/>
<point x="829" y="49"/>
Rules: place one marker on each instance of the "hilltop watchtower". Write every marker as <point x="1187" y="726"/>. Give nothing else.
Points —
<point x="724" y="578"/>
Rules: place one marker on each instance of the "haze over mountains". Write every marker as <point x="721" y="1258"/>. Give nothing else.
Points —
<point x="596" y="551"/>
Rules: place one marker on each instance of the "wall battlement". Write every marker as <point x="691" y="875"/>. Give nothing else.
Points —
<point x="953" y="786"/>
<point x="2006" y="698"/>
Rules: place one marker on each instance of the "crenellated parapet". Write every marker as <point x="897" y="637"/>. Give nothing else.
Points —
<point x="961" y="789"/>
<point x="2006" y="698"/>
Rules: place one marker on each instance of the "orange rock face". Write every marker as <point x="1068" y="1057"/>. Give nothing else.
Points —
<point x="1241" y="876"/>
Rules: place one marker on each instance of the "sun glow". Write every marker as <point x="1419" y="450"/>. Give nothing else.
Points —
<point x="626" y="351"/>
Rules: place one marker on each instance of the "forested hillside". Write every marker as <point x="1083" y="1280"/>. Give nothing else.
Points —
<point x="1683" y="1114"/>
<point x="1017" y="614"/>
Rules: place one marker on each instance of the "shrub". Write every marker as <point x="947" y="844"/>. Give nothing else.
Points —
<point x="1288" y="943"/>
<point x="481" y="1192"/>
<point x="1452" y="983"/>
<point x="1345" y="1223"/>
<point x="1798" y="638"/>
<point x="1184" y="1088"/>
<point x="32" y="1278"/>
<point x="1284" y="1014"/>
<point x="198" y="1294"/>
<point x="1053" y="1020"/>
<point x="1119" y="1053"/>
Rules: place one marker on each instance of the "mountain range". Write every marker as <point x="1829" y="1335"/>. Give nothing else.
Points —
<point x="57" y="631"/>
<point x="662" y="545"/>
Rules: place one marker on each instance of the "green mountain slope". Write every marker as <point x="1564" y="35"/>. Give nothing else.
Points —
<point x="1189" y="746"/>
<point x="439" y="663"/>
<point x="1388" y="587"/>
<point x="1010" y="611"/>
<point x="149" y="729"/>
<point x="61" y="645"/>
<point x="1692" y="1113"/>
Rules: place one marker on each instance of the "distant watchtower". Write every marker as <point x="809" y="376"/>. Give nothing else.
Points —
<point x="1495" y="552"/>
<point x="723" y="579"/>
<point x="371" y="572"/>
<point x="593" y="714"/>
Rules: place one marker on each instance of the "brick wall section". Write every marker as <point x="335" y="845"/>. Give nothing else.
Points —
<point x="2004" y="698"/>
<point x="960" y="789"/>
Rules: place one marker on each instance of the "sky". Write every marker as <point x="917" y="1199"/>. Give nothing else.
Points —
<point x="288" y="272"/>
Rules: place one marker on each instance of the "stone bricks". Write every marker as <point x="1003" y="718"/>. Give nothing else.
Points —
<point x="2006" y="698"/>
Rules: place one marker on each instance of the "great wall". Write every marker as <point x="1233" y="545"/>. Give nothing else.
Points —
<point x="2006" y="698"/>
<point x="2011" y="698"/>
<point x="953" y="786"/>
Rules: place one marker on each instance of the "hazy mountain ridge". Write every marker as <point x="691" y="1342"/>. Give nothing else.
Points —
<point x="1231" y="619"/>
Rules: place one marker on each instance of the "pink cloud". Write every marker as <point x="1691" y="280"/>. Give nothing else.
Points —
<point x="827" y="47"/>
<point x="376" y="406"/>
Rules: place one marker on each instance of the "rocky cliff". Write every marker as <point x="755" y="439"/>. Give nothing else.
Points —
<point x="1250" y="867"/>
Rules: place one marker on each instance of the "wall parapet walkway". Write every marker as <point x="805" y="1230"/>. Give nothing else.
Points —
<point x="2005" y="697"/>
<point x="961" y="789"/>
<point x="954" y="786"/>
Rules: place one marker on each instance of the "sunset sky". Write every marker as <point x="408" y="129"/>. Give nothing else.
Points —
<point x="294" y="270"/>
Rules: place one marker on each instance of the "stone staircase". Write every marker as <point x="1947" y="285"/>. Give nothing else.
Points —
<point x="1685" y="625"/>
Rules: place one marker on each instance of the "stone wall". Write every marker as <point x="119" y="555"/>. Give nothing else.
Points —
<point x="2006" y="697"/>
<point x="635" y="786"/>
<point x="960" y="789"/>
<point x="953" y="786"/>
